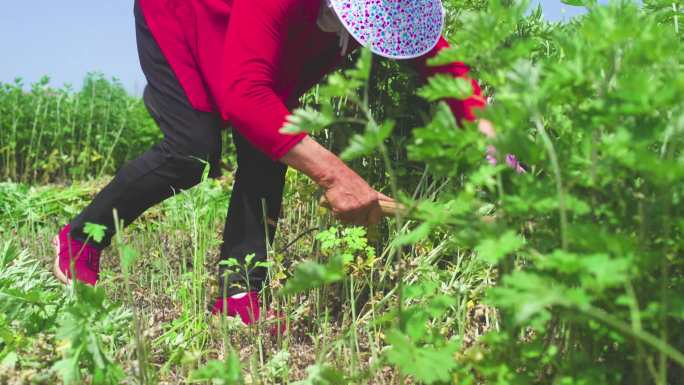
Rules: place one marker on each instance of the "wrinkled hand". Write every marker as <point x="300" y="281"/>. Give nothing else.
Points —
<point x="352" y="200"/>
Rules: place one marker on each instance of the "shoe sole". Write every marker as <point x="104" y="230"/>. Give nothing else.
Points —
<point x="56" y="271"/>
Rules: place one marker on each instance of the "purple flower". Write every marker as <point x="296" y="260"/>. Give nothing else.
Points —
<point x="511" y="160"/>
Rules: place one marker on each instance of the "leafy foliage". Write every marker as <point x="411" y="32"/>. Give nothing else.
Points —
<point x="81" y="326"/>
<point x="443" y="86"/>
<point x="427" y="364"/>
<point x="33" y="303"/>
<point x="586" y="242"/>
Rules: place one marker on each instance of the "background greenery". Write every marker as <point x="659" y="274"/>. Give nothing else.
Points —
<point x="53" y="134"/>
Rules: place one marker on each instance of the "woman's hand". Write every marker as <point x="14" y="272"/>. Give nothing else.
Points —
<point x="351" y="199"/>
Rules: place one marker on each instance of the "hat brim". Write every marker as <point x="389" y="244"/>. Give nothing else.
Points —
<point x="395" y="29"/>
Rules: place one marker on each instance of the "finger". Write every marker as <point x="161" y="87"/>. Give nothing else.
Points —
<point x="383" y="197"/>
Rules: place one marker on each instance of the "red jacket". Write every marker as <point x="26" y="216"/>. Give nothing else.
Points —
<point x="251" y="60"/>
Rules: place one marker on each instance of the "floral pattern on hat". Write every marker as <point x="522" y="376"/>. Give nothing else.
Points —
<point x="397" y="29"/>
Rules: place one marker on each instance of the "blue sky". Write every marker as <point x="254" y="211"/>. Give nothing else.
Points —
<point x="67" y="39"/>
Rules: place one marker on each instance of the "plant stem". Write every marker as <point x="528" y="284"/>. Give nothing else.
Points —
<point x="559" y="181"/>
<point x="646" y="337"/>
<point x="676" y="17"/>
<point x="139" y="347"/>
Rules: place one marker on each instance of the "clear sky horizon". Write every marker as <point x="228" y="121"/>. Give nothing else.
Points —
<point x="67" y="39"/>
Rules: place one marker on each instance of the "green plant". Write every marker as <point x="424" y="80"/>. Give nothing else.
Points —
<point x="28" y="299"/>
<point x="86" y="318"/>
<point x="33" y="305"/>
<point x="344" y="249"/>
<point x="418" y="347"/>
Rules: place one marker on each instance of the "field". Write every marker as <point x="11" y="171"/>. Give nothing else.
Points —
<point x="569" y="274"/>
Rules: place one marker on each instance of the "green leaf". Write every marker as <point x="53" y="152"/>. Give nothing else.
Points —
<point x="414" y="236"/>
<point x="306" y="120"/>
<point x="219" y="372"/>
<point x="9" y="361"/>
<point x="362" y="145"/>
<point x="446" y="56"/>
<point x="416" y="322"/>
<point x="339" y="86"/>
<point x="493" y="250"/>
<point x="93" y="347"/>
<point x="442" y="86"/>
<point x="310" y="275"/>
<point x="363" y="66"/>
<point x="8" y="254"/>
<point x="528" y="296"/>
<point x="230" y="262"/>
<point x="579" y="3"/>
<point x="420" y="290"/>
<point x="92" y="296"/>
<point x="95" y="231"/>
<point x="69" y="370"/>
<point x="128" y="257"/>
<point x="441" y="145"/>
<point x="605" y="272"/>
<point x="425" y="364"/>
<point x="264" y="264"/>
<point x="322" y="375"/>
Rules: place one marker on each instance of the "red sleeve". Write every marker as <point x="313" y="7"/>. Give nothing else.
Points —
<point x="252" y="55"/>
<point x="462" y="109"/>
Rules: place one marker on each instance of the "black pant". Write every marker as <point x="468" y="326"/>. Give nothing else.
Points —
<point x="191" y="138"/>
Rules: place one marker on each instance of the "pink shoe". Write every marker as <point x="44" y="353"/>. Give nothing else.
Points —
<point x="86" y="259"/>
<point x="248" y="307"/>
<point x="245" y="305"/>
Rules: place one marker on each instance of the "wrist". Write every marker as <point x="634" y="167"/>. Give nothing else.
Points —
<point x="329" y="170"/>
<point x="319" y="164"/>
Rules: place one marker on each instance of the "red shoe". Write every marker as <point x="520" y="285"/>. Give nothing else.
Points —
<point x="248" y="307"/>
<point x="86" y="259"/>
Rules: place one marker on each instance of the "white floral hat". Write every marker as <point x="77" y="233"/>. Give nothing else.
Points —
<point x="397" y="29"/>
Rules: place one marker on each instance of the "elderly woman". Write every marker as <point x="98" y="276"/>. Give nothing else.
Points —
<point x="210" y="63"/>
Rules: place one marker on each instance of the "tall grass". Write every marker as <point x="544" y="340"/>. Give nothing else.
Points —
<point x="49" y="134"/>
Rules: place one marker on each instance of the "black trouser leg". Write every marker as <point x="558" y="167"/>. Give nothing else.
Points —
<point x="258" y="179"/>
<point x="157" y="174"/>
<point x="191" y="138"/>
